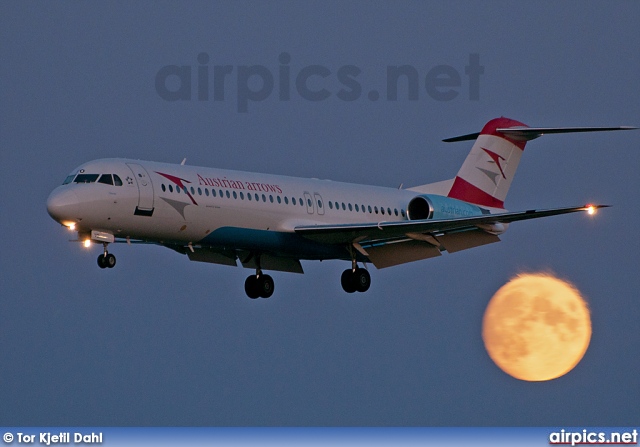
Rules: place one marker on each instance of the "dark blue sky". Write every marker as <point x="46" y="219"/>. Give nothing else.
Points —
<point x="160" y="340"/>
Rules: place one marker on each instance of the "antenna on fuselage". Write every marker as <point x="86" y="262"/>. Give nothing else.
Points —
<point x="183" y="161"/>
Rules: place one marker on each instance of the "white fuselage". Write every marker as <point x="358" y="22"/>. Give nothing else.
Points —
<point x="170" y="204"/>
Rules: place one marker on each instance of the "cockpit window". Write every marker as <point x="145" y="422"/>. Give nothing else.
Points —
<point x="86" y="178"/>
<point x="107" y="179"/>
<point x="69" y="179"/>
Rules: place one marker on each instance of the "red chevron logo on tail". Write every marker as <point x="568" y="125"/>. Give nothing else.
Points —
<point x="496" y="159"/>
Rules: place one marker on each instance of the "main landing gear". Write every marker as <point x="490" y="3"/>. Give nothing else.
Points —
<point x="106" y="260"/>
<point x="259" y="285"/>
<point x="355" y="279"/>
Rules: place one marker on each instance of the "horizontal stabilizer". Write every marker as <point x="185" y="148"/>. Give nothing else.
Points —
<point x="523" y="133"/>
<point x="468" y="137"/>
<point x="530" y="133"/>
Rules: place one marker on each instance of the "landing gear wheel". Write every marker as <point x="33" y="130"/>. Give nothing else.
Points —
<point x="265" y="284"/>
<point x="106" y="261"/>
<point x="358" y="281"/>
<point x="347" y="281"/>
<point x="251" y="287"/>
<point x="110" y="261"/>
<point x="259" y="286"/>
<point x="362" y="280"/>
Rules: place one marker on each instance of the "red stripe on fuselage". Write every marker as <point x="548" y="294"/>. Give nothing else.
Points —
<point x="463" y="190"/>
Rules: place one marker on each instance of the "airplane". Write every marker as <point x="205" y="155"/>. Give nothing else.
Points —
<point x="272" y="222"/>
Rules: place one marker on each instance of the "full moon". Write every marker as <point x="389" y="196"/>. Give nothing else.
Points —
<point x="536" y="327"/>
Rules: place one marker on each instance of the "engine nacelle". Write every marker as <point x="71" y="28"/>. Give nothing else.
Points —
<point x="431" y="206"/>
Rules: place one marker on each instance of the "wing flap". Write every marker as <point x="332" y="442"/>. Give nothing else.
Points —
<point x="203" y="254"/>
<point x="454" y="242"/>
<point x="388" y="255"/>
<point x="276" y="263"/>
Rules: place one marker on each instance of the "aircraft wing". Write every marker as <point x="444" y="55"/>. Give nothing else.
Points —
<point x="387" y="232"/>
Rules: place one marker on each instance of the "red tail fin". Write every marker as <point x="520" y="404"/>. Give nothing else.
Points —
<point x="486" y="174"/>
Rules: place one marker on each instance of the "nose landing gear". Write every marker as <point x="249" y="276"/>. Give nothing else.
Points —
<point x="106" y="260"/>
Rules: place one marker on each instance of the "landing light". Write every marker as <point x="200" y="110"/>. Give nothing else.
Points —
<point x="591" y="210"/>
<point x="71" y="226"/>
<point x="87" y="243"/>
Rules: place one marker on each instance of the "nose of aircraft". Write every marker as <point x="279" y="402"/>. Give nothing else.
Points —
<point x="62" y="205"/>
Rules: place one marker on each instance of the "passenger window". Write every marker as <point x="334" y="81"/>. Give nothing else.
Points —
<point x="286" y="200"/>
<point x="375" y="209"/>
<point x="343" y="207"/>
<point x="382" y="210"/>
<point x="309" y="203"/>
<point x="402" y="212"/>
<point x="389" y="211"/>
<point x="301" y="202"/>
<point x="270" y="198"/>
<point x="86" y="178"/>
<point x="330" y="205"/>
<point x="106" y="179"/>
<point x="319" y="203"/>
<point x="164" y="188"/>
<point x="257" y="197"/>
<point x="206" y="192"/>
<point x="227" y="194"/>
<point x="357" y="209"/>
<point x="279" y="199"/>
<point x="235" y="195"/>
<point x="249" y="196"/>
<point x="395" y="211"/>
<point x="170" y="188"/>
<point x="199" y="191"/>
<point x="241" y="195"/>
<point x="264" y="198"/>
<point x="350" y="208"/>
<point x="369" y="207"/>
